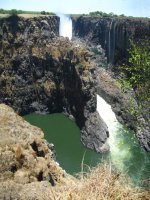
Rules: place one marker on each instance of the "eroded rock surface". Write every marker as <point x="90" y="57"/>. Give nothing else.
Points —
<point x="27" y="167"/>
<point x="113" y="34"/>
<point x="49" y="74"/>
<point x="124" y="106"/>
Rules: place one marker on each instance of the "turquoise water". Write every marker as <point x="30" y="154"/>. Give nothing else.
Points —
<point x="65" y="135"/>
<point x="125" y="153"/>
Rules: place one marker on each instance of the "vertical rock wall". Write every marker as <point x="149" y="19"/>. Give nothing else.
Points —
<point x="113" y="34"/>
<point x="44" y="73"/>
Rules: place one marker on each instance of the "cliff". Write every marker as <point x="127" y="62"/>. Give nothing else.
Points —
<point x="26" y="159"/>
<point x="124" y="106"/>
<point x="113" y="34"/>
<point x="44" y="73"/>
<point x="28" y="171"/>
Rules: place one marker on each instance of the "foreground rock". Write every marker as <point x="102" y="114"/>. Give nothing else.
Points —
<point x="28" y="172"/>
<point x="27" y="167"/>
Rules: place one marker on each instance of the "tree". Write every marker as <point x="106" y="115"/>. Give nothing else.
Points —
<point x="136" y="73"/>
<point x="13" y="12"/>
<point x="43" y="13"/>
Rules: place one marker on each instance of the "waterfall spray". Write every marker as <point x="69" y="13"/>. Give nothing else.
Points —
<point x="124" y="149"/>
<point x="65" y="27"/>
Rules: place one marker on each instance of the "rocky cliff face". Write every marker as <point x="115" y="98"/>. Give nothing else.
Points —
<point x="44" y="73"/>
<point x="124" y="106"/>
<point x="27" y="167"/>
<point x="113" y="34"/>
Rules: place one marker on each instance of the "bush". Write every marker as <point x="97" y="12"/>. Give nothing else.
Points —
<point x="99" y="184"/>
<point x="13" y="12"/>
<point x="102" y="14"/>
<point x="136" y="73"/>
<point x="43" y="13"/>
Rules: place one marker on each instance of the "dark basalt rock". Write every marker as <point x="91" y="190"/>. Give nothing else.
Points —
<point x="44" y="73"/>
<point x="113" y="34"/>
<point x="123" y="104"/>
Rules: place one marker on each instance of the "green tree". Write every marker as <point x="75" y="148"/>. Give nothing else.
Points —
<point x="136" y="73"/>
<point x="2" y="11"/>
<point x="13" y="12"/>
<point x="43" y="13"/>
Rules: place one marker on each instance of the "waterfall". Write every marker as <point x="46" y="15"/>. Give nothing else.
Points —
<point x="109" y="42"/>
<point x="125" y="153"/>
<point x="65" y="26"/>
<point x="109" y="117"/>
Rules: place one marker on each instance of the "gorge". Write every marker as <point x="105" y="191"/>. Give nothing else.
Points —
<point x="47" y="74"/>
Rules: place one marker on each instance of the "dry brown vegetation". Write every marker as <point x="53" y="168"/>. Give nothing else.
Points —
<point x="100" y="184"/>
<point x="24" y="15"/>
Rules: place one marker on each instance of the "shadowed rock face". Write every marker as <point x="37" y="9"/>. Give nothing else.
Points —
<point x="44" y="73"/>
<point x="113" y="34"/>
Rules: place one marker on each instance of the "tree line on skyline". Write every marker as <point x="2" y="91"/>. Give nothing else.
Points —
<point x="16" y="12"/>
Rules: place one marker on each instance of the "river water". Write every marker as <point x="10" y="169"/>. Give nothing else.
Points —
<point x="125" y="153"/>
<point x="65" y="135"/>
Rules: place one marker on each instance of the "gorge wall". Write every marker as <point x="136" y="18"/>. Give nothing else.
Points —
<point x="113" y="34"/>
<point x="41" y="72"/>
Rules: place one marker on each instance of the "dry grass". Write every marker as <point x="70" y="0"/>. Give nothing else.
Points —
<point x="30" y="15"/>
<point x="99" y="184"/>
<point x="24" y="15"/>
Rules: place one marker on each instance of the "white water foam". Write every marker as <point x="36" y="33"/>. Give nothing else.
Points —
<point x="65" y="27"/>
<point x="119" y="152"/>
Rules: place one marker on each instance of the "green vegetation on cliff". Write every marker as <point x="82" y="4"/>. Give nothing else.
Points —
<point x="103" y="14"/>
<point x="136" y="73"/>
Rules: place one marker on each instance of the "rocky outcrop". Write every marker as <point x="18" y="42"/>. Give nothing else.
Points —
<point x="121" y="103"/>
<point x="17" y="31"/>
<point x="113" y="34"/>
<point x="124" y="106"/>
<point x="49" y="74"/>
<point x="27" y="167"/>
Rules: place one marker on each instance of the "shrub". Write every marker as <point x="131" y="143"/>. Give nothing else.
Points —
<point x="43" y="13"/>
<point x="13" y="12"/>
<point x="136" y="73"/>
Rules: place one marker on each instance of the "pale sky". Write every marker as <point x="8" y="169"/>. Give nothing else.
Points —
<point x="140" y="8"/>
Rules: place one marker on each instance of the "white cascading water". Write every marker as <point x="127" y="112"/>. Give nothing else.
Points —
<point x="65" y="27"/>
<point x="125" y="153"/>
<point x="124" y="150"/>
<point x="118" y="155"/>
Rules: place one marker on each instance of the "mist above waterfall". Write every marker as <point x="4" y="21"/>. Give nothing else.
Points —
<point x="65" y="26"/>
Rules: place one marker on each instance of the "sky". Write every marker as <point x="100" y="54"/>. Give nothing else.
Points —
<point x="137" y="8"/>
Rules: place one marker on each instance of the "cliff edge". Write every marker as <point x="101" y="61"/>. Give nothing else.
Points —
<point x="41" y="72"/>
<point x="26" y="159"/>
